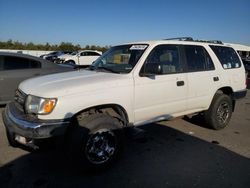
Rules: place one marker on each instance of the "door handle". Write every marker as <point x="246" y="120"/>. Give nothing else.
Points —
<point x="216" y="78"/>
<point x="36" y="74"/>
<point x="180" y="83"/>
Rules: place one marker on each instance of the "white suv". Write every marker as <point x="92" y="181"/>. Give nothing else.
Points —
<point x="85" y="57"/>
<point x="130" y="85"/>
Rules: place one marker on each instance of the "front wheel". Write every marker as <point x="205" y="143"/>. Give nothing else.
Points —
<point x="96" y="141"/>
<point x="71" y="62"/>
<point x="101" y="146"/>
<point x="219" y="113"/>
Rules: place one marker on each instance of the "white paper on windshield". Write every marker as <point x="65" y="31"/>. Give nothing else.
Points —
<point x="138" y="47"/>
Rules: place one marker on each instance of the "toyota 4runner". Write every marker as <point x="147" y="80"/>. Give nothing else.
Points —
<point x="129" y="85"/>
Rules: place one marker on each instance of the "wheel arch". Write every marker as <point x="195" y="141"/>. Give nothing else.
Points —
<point x="72" y="60"/>
<point x="227" y="90"/>
<point x="114" y="110"/>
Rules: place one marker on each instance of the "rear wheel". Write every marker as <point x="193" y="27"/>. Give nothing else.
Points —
<point x="220" y="111"/>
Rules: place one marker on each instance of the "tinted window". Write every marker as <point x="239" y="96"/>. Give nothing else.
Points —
<point x="93" y="54"/>
<point x="167" y="56"/>
<point x="197" y="59"/>
<point x="1" y="62"/>
<point x="227" y="56"/>
<point x="83" y="54"/>
<point x="35" y="64"/>
<point x="89" y="54"/>
<point x="11" y="63"/>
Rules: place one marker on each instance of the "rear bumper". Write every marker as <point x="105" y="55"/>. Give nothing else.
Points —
<point x="17" y="123"/>
<point x="239" y="94"/>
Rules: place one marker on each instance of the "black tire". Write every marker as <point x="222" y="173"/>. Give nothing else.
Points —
<point x="220" y="111"/>
<point x="95" y="142"/>
<point x="11" y="139"/>
<point x="71" y="62"/>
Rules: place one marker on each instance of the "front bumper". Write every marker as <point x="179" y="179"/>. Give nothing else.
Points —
<point x="18" y="123"/>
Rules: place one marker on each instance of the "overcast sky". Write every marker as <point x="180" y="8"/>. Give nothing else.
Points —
<point x="109" y="22"/>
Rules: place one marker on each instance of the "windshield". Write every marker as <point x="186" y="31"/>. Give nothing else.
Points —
<point x="119" y="59"/>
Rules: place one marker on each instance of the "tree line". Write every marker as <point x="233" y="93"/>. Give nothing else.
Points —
<point x="63" y="46"/>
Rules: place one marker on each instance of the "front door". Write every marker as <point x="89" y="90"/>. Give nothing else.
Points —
<point x="163" y="95"/>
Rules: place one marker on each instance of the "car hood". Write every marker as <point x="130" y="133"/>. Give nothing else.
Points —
<point x="62" y="84"/>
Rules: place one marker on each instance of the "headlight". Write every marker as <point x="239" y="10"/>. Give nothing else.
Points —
<point x="38" y="105"/>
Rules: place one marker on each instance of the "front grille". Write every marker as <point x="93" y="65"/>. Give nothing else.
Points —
<point x="20" y="99"/>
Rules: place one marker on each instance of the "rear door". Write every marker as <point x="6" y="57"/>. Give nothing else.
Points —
<point x="202" y="77"/>
<point x="13" y="71"/>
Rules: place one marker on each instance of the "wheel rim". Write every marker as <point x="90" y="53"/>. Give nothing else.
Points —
<point x="100" y="146"/>
<point x="223" y="112"/>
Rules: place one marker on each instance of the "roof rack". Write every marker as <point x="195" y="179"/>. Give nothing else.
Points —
<point x="181" y="39"/>
<point x="210" y="41"/>
<point x="191" y="39"/>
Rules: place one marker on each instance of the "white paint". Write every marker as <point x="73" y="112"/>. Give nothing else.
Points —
<point x="144" y="99"/>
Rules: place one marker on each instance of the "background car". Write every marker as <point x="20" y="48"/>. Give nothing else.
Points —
<point x="247" y="66"/>
<point x="54" y="55"/>
<point x="15" y="68"/>
<point x="85" y="57"/>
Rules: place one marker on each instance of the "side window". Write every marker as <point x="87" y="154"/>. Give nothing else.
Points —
<point x="93" y="54"/>
<point x="198" y="59"/>
<point x="35" y="64"/>
<point x="12" y="63"/>
<point x="227" y="56"/>
<point x="1" y="62"/>
<point x="89" y="54"/>
<point x="83" y="54"/>
<point x="167" y="57"/>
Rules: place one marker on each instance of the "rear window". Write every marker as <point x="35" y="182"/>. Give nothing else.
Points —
<point x="227" y="56"/>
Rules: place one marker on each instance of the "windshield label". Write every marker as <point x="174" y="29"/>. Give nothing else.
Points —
<point x="138" y="47"/>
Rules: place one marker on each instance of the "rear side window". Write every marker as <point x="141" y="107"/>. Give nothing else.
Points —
<point x="227" y="56"/>
<point x="198" y="59"/>
<point x="93" y="54"/>
<point x="89" y="54"/>
<point x="12" y="63"/>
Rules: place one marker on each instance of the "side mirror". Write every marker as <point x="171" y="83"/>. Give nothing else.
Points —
<point x="151" y="69"/>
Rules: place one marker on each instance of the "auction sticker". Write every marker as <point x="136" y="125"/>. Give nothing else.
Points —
<point x="138" y="47"/>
